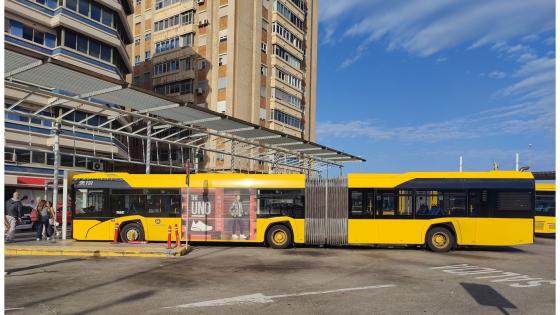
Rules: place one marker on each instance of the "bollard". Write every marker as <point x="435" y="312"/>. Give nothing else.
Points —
<point x="169" y="237"/>
<point x="116" y="238"/>
<point x="177" y="240"/>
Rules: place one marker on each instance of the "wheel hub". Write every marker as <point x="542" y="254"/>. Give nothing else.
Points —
<point x="279" y="237"/>
<point x="439" y="240"/>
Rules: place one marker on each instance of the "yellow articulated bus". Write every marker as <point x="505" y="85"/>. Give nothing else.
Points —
<point x="545" y="209"/>
<point x="438" y="209"/>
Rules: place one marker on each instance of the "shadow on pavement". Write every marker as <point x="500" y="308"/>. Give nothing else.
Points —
<point x="9" y="271"/>
<point x="126" y="299"/>
<point x="486" y="295"/>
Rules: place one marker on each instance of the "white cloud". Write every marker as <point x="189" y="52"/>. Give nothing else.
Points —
<point x="516" y="119"/>
<point x="497" y="75"/>
<point x="424" y="28"/>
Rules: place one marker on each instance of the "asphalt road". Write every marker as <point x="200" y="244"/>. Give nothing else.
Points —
<point x="257" y="280"/>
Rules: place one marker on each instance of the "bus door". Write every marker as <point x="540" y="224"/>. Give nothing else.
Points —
<point x="362" y="228"/>
<point x="394" y="220"/>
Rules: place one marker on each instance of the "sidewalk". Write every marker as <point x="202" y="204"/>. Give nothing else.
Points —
<point x="95" y="249"/>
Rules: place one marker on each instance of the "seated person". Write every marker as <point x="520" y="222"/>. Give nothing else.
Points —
<point x="422" y="210"/>
<point x="436" y="211"/>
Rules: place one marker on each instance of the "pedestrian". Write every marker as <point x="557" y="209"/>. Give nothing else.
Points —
<point x="44" y="215"/>
<point x="52" y="219"/>
<point x="13" y="215"/>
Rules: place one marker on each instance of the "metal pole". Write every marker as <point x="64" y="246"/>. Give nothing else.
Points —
<point x="64" y="204"/>
<point x="460" y="163"/>
<point x="56" y="150"/>
<point x="517" y="161"/>
<point x="149" y="147"/>
<point x="232" y="166"/>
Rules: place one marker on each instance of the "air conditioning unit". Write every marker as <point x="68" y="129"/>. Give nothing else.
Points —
<point x="200" y="1"/>
<point x="97" y="166"/>
<point x="199" y="91"/>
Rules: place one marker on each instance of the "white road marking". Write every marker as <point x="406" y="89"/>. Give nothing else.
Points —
<point x="13" y="309"/>
<point x="261" y="298"/>
<point x="499" y="276"/>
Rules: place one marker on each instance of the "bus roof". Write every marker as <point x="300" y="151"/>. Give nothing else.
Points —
<point x="393" y="180"/>
<point x="200" y="180"/>
<point x="545" y="187"/>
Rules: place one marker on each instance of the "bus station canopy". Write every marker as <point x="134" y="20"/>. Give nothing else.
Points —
<point x="31" y="73"/>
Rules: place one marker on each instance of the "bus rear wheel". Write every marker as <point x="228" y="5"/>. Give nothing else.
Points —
<point x="440" y="239"/>
<point x="279" y="237"/>
<point x="132" y="232"/>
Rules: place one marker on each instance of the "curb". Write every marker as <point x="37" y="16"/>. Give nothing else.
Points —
<point x="92" y="253"/>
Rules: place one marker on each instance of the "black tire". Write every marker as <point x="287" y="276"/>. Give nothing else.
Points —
<point x="440" y="239"/>
<point x="132" y="232"/>
<point x="279" y="237"/>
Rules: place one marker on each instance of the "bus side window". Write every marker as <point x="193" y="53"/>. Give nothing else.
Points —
<point x="478" y="203"/>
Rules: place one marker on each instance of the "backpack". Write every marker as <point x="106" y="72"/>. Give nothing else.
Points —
<point x="34" y="215"/>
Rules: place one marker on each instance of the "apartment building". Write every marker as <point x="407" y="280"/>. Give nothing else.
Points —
<point x="253" y="60"/>
<point x="90" y="35"/>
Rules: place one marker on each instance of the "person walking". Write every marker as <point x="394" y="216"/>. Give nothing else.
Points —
<point x="13" y="215"/>
<point x="44" y="214"/>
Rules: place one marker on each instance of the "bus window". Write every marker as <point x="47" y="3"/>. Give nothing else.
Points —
<point x="440" y="204"/>
<point x="361" y="204"/>
<point x="163" y="202"/>
<point x="393" y="204"/>
<point x="127" y="201"/>
<point x="478" y="203"/>
<point x="545" y="205"/>
<point x="513" y="204"/>
<point x="281" y="202"/>
<point x="454" y="204"/>
<point x="91" y="203"/>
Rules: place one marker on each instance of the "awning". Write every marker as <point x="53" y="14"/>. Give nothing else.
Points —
<point x="59" y="78"/>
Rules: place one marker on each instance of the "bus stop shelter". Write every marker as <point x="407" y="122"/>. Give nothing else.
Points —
<point x="152" y="119"/>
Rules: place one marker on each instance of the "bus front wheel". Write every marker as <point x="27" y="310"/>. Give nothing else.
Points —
<point x="132" y="232"/>
<point x="440" y="239"/>
<point x="279" y="237"/>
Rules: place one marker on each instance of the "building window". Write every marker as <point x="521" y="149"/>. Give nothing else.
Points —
<point x="179" y="19"/>
<point x="148" y="55"/>
<point x="201" y="64"/>
<point x="282" y="9"/>
<point x="179" y="87"/>
<point x="282" y="53"/>
<point x="186" y="63"/>
<point x="264" y="25"/>
<point x="263" y="91"/>
<point x="187" y="40"/>
<point x="146" y="76"/>
<point x="262" y="114"/>
<point x="148" y="36"/>
<point x="164" y="3"/>
<point x="136" y="41"/>
<point x="136" y="80"/>
<point x="167" y="66"/>
<point x="136" y="59"/>
<point x="264" y="70"/>
<point x="168" y="44"/>
<point x="18" y="29"/>
<point x="287" y="98"/>
<point x="288" y="78"/>
<point x="264" y="47"/>
<point x="222" y="60"/>
<point x="138" y="2"/>
<point x="287" y="35"/>
<point x="282" y="117"/>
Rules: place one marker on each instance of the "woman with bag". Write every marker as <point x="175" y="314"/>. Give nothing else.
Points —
<point x="44" y="213"/>
<point x="51" y="229"/>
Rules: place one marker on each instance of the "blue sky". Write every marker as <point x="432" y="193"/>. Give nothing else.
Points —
<point x="412" y="85"/>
